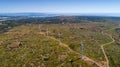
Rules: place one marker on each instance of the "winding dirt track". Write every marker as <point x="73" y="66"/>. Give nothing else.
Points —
<point x="102" y="46"/>
<point x="85" y="58"/>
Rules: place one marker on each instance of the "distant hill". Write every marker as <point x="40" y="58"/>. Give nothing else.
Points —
<point x="28" y="14"/>
<point x="55" y="18"/>
<point x="75" y="19"/>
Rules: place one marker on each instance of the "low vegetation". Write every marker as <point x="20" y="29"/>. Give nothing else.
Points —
<point x="29" y="45"/>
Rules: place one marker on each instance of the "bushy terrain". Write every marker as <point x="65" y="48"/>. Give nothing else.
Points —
<point x="89" y="33"/>
<point x="36" y="50"/>
<point x="113" y="50"/>
<point x="58" y="44"/>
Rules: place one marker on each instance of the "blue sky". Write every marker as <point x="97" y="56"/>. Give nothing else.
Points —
<point x="60" y="6"/>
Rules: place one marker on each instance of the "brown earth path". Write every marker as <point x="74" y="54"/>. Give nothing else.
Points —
<point x="85" y="58"/>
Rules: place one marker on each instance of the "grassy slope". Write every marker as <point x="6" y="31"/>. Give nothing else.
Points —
<point x="73" y="35"/>
<point x="36" y="50"/>
<point x="113" y="50"/>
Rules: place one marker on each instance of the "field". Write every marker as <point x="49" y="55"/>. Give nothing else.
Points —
<point x="58" y="45"/>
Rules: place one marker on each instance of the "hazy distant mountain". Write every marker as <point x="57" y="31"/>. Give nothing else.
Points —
<point x="28" y="14"/>
<point x="59" y="14"/>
